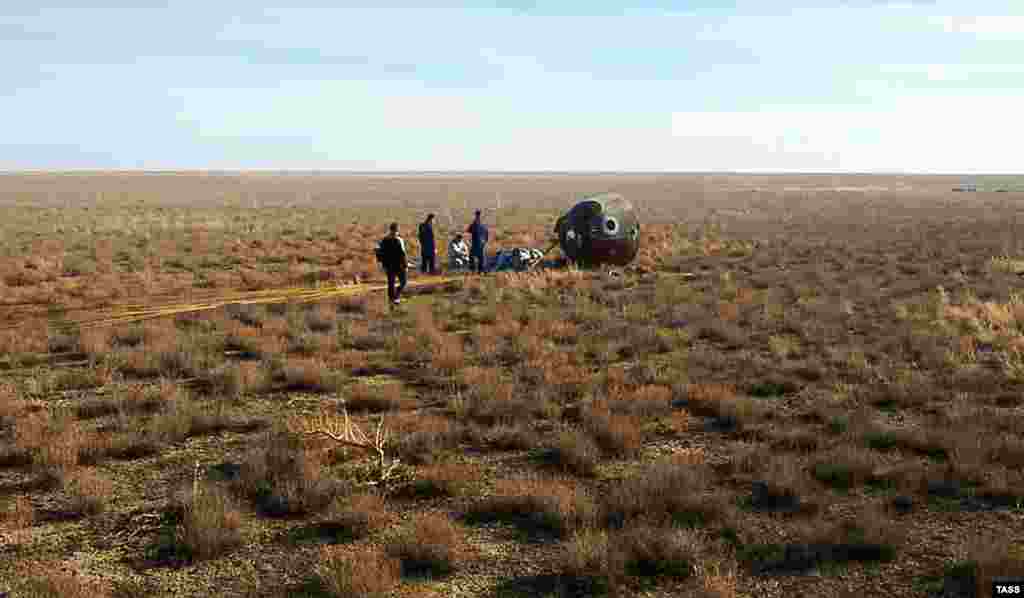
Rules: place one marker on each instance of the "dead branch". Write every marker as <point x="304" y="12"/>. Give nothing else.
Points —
<point x="347" y="433"/>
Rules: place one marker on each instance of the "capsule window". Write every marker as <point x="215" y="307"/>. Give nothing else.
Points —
<point x="611" y="225"/>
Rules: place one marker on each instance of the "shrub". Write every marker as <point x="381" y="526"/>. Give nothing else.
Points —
<point x="16" y="514"/>
<point x="82" y="378"/>
<point x="987" y="558"/>
<point x="870" y="536"/>
<point x="93" y="408"/>
<point x="52" y="439"/>
<point x="647" y="401"/>
<point x="617" y="435"/>
<point x="575" y="453"/>
<point x="517" y="436"/>
<point x="422" y="439"/>
<point x="209" y="525"/>
<point x="39" y="580"/>
<point x="666" y="493"/>
<point x="321" y="319"/>
<point x="498" y="403"/>
<point x="717" y="581"/>
<point x="795" y="439"/>
<point x="304" y="343"/>
<point x="448" y="479"/>
<point x="10" y="405"/>
<point x="846" y="469"/>
<point x="95" y="342"/>
<point x="285" y="477"/>
<point x="448" y="355"/>
<point x="646" y="551"/>
<point x="643" y="552"/>
<point x="356" y="517"/>
<point x="708" y="399"/>
<point x="364" y="573"/>
<point x="433" y="547"/>
<point x="374" y="398"/>
<point x="89" y="492"/>
<point x="237" y="380"/>
<point x="588" y="556"/>
<point x="308" y="375"/>
<point x="551" y="506"/>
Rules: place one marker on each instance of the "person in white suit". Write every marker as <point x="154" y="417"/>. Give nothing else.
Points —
<point x="458" y="254"/>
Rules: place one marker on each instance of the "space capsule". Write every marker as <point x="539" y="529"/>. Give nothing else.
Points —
<point x="600" y="230"/>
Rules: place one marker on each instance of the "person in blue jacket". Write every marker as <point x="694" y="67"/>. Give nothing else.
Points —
<point x="478" y="242"/>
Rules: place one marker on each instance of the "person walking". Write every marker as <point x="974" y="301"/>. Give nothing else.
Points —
<point x="478" y="241"/>
<point x="392" y="256"/>
<point x="427" y="249"/>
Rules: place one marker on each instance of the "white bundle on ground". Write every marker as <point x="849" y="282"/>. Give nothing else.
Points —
<point x="518" y="259"/>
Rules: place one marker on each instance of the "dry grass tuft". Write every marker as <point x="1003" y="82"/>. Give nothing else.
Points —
<point x="448" y="355"/>
<point x="16" y="517"/>
<point x="646" y="551"/>
<point x="551" y="506"/>
<point x="286" y="477"/>
<point x="446" y="479"/>
<point x="575" y="453"/>
<point x="515" y="437"/>
<point x="717" y="580"/>
<point x="311" y="375"/>
<point x="607" y="561"/>
<point x="10" y="404"/>
<point x="210" y="525"/>
<point x="709" y="399"/>
<point x="49" y="580"/>
<point x="432" y="548"/>
<point x="374" y="398"/>
<point x="846" y="467"/>
<point x="647" y="401"/>
<point x="501" y="403"/>
<point x="238" y="380"/>
<point x="90" y="493"/>
<point x="423" y="439"/>
<point x="360" y="573"/>
<point x="53" y="440"/>
<point x="17" y="513"/>
<point x="617" y="435"/>
<point x="666" y="493"/>
<point x="586" y="554"/>
<point x="357" y="516"/>
<point x="988" y="558"/>
<point x="869" y="525"/>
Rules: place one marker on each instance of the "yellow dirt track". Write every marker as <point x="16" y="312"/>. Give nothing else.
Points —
<point x="84" y="318"/>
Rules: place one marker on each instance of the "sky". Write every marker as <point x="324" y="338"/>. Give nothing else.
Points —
<point x="843" y="86"/>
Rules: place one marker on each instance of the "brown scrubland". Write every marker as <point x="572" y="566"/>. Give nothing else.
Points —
<point x="803" y="386"/>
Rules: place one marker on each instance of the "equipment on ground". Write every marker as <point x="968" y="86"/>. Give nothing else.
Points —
<point x="517" y="259"/>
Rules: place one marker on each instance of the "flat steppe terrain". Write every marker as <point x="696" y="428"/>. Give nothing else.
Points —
<point x="804" y="386"/>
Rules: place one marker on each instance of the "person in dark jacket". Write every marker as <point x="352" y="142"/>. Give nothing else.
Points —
<point x="427" y="249"/>
<point x="478" y="242"/>
<point x="392" y="256"/>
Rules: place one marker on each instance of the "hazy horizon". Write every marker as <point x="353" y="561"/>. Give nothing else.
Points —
<point x="415" y="173"/>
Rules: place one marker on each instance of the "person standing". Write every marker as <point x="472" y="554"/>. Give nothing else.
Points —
<point x="427" y="249"/>
<point x="478" y="242"/>
<point x="392" y="256"/>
